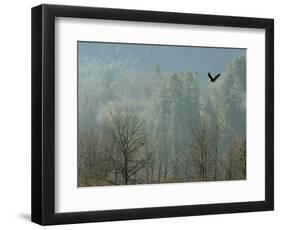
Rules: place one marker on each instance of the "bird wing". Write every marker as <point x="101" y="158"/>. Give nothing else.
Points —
<point x="216" y="77"/>
<point x="210" y="76"/>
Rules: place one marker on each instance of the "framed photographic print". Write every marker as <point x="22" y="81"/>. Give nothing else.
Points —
<point x="142" y="114"/>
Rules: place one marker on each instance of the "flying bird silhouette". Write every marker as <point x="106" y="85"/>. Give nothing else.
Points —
<point x="213" y="79"/>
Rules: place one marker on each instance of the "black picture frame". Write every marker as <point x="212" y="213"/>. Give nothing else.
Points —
<point x="43" y="114"/>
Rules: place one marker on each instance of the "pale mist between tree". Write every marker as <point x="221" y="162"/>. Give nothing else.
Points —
<point x="149" y="114"/>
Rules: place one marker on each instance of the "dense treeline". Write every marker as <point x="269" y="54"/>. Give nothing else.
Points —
<point x="154" y="127"/>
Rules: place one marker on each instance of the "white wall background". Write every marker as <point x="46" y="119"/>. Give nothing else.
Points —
<point x="15" y="114"/>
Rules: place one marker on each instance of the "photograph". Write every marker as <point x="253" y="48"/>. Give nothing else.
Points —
<point x="140" y="114"/>
<point x="154" y="113"/>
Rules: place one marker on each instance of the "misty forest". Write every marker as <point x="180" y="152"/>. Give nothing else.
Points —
<point x="149" y="114"/>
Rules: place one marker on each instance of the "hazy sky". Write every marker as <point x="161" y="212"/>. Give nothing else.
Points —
<point x="172" y="59"/>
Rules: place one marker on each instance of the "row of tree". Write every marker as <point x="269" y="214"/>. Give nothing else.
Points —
<point x="140" y="128"/>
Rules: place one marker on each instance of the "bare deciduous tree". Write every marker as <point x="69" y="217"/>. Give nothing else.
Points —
<point x="235" y="159"/>
<point x="199" y="152"/>
<point x="127" y="131"/>
<point x="93" y="159"/>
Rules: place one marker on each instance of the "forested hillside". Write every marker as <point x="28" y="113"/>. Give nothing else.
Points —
<point x="152" y="126"/>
